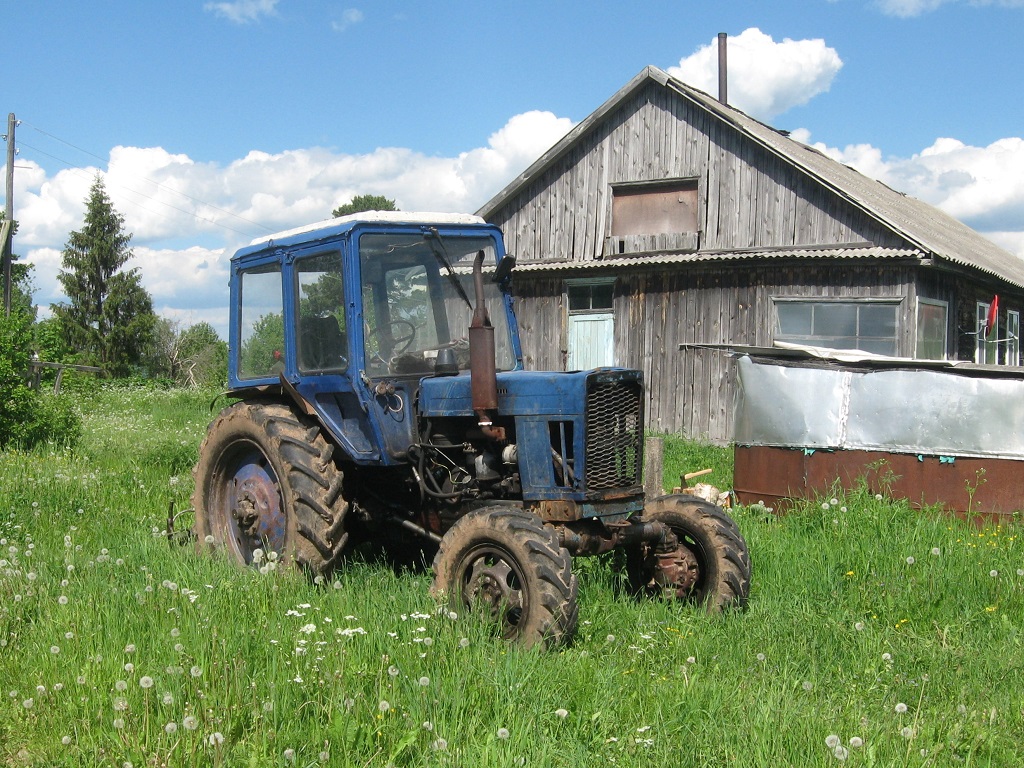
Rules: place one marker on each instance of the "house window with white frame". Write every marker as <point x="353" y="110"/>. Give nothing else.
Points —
<point x="1012" y="338"/>
<point x="986" y="350"/>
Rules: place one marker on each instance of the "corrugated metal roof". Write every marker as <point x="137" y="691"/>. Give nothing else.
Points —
<point x="853" y="252"/>
<point x="923" y="225"/>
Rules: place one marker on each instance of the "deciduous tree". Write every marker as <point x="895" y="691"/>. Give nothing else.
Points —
<point x="362" y="203"/>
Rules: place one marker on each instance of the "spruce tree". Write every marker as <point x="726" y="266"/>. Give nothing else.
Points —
<point x="108" y="319"/>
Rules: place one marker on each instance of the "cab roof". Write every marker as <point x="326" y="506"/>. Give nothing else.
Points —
<point x="332" y="227"/>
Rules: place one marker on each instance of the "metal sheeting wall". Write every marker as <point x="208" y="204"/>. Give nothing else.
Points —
<point x="927" y="412"/>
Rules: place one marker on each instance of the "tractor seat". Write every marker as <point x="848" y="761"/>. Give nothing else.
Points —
<point x="322" y="344"/>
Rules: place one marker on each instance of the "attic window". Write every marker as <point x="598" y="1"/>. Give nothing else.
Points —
<point x="654" y="208"/>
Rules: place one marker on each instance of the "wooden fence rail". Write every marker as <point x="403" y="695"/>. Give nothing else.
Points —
<point x="35" y="371"/>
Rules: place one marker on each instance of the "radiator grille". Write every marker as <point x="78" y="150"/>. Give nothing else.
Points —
<point x="614" y="434"/>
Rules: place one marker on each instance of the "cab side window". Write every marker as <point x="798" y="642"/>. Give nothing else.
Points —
<point x="261" y="351"/>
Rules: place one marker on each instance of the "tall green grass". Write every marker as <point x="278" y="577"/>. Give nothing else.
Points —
<point x="876" y="635"/>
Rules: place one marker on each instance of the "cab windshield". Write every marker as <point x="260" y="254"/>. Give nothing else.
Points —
<point x="417" y="295"/>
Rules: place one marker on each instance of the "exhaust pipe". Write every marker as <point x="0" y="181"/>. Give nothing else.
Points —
<point x="483" y="374"/>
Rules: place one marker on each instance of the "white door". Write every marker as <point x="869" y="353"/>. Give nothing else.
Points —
<point x="591" y="341"/>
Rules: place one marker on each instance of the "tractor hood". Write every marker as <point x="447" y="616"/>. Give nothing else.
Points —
<point x="520" y="393"/>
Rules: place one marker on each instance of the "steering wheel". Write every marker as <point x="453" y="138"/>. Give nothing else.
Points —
<point x="399" y="343"/>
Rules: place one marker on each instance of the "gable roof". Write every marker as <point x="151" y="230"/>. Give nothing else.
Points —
<point x="929" y="229"/>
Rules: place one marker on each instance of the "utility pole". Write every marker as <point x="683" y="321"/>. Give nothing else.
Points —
<point x="8" y="227"/>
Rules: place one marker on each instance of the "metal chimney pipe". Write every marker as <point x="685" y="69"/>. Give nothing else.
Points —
<point x="723" y="69"/>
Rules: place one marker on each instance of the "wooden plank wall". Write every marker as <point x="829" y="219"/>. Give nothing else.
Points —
<point x="749" y="197"/>
<point x="690" y="391"/>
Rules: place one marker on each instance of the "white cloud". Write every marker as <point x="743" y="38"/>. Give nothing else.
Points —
<point x="348" y="17"/>
<point x="186" y="218"/>
<point x="981" y="186"/>
<point x="909" y="8"/>
<point x="242" y="11"/>
<point x="766" y="78"/>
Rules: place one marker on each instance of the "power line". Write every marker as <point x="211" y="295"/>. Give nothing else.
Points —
<point x="79" y="172"/>
<point x="164" y="187"/>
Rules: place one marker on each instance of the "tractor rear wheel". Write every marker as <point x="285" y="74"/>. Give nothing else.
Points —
<point x="502" y="563"/>
<point x="711" y="564"/>
<point x="266" y="481"/>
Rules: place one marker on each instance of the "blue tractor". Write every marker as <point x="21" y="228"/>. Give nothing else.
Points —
<point x="380" y="397"/>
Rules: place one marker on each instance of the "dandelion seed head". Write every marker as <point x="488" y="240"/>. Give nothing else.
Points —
<point x="62" y="600"/>
<point x="167" y="698"/>
<point x="464" y="642"/>
<point x="215" y="739"/>
<point x="901" y="708"/>
<point x="832" y="741"/>
<point x="289" y="755"/>
<point x="54" y="649"/>
<point x="761" y="657"/>
<point x="209" y="540"/>
<point x="886" y="656"/>
<point x="936" y="551"/>
<point x="859" y="626"/>
<point x="841" y="753"/>
<point x="856" y="742"/>
<point x="130" y="648"/>
<point x="118" y="723"/>
<point x="503" y="733"/>
<point x="993" y="573"/>
<point x="196" y="671"/>
<point x="190" y="722"/>
<point x="439" y="745"/>
<point x="145" y="681"/>
<point x="424" y="681"/>
<point x="906" y="732"/>
<point x="562" y="713"/>
<point x="807" y="685"/>
<point x="171" y="728"/>
<point x="384" y="705"/>
<point x="121" y="685"/>
<point x="910" y="560"/>
<point x="393" y="671"/>
<point x="28" y="703"/>
<point x="65" y="740"/>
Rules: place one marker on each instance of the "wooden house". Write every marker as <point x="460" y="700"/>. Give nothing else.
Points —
<point x="666" y="218"/>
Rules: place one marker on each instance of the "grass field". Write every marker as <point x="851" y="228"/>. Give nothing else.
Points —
<point x="876" y="635"/>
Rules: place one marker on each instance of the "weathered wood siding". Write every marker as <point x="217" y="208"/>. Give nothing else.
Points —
<point x="690" y="391"/>
<point x="748" y="196"/>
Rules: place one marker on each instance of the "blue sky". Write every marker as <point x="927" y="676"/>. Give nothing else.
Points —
<point x="215" y="122"/>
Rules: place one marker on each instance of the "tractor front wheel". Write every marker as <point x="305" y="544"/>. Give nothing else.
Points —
<point x="710" y="565"/>
<point x="266" y="481"/>
<point x="502" y="563"/>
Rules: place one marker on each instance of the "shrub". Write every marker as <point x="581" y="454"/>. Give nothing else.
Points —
<point x="26" y="417"/>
